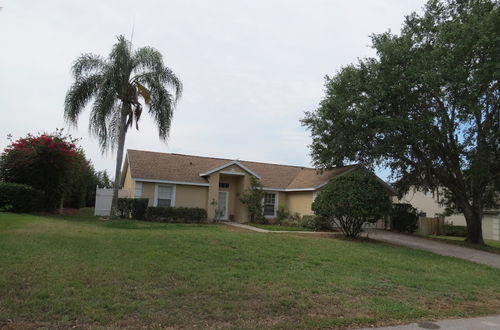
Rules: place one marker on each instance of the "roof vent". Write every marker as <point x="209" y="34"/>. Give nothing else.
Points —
<point x="190" y="163"/>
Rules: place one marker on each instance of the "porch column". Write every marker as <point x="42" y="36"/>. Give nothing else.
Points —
<point x="213" y="195"/>
<point x="243" y="215"/>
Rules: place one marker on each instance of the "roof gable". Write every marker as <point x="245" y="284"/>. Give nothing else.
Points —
<point x="226" y="165"/>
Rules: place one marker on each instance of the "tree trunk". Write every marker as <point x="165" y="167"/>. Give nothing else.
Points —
<point x="119" y="160"/>
<point x="474" y="226"/>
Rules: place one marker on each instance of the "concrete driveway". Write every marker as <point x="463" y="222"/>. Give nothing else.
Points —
<point x="415" y="242"/>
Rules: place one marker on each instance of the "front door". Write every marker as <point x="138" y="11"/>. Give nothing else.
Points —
<point x="222" y="205"/>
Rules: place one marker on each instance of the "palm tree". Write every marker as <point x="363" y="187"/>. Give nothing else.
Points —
<point x="116" y="85"/>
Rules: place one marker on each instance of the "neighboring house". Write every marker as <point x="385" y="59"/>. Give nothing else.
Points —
<point x="428" y="203"/>
<point x="214" y="183"/>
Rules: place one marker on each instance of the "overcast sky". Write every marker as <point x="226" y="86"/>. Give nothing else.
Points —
<point x="249" y="68"/>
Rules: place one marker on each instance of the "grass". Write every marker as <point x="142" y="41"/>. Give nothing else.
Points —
<point x="83" y="272"/>
<point x="490" y="246"/>
<point x="281" y="227"/>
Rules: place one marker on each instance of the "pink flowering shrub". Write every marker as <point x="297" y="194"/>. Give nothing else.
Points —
<point x="48" y="162"/>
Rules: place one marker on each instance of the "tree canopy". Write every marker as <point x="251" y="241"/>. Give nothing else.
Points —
<point x="427" y="106"/>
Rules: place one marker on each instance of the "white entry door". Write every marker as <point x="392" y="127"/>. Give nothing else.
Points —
<point x="222" y="205"/>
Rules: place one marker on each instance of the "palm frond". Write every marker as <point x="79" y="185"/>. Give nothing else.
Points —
<point x="149" y="61"/>
<point x="88" y="64"/>
<point x="103" y="109"/>
<point x="78" y="95"/>
<point x="173" y="81"/>
<point x="121" y="66"/>
<point x="162" y="104"/>
<point x="165" y="77"/>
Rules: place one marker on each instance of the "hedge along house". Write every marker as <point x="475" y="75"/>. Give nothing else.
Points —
<point x="214" y="183"/>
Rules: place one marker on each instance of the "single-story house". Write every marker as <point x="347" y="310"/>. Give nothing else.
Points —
<point x="169" y="179"/>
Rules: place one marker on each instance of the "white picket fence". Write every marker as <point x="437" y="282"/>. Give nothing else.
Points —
<point x="103" y="198"/>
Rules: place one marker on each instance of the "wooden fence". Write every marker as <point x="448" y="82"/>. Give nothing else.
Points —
<point x="430" y="226"/>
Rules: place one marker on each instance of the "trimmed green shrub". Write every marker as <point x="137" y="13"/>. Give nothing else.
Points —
<point x="139" y="207"/>
<point x="125" y="207"/>
<point x="282" y="213"/>
<point x="293" y="219"/>
<point x="176" y="214"/>
<point x="316" y="223"/>
<point x="458" y="231"/>
<point x="16" y="197"/>
<point x="134" y="208"/>
<point x="352" y="200"/>
<point x="404" y="218"/>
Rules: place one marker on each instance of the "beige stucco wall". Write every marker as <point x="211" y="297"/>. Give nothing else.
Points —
<point x="213" y="194"/>
<point x="191" y="196"/>
<point x="185" y="195"/>
<point x="241" y="210"/>
<point x="129" y="184"/>
<point x="283" y="199"/>
<point x="148" y="191"/>
<point x="299" y="202"/>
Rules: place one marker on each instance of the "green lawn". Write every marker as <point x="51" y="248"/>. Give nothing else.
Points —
<point x="281" y="227"/>
<point x="78" y="271"/>
<point x="491" y="246"/>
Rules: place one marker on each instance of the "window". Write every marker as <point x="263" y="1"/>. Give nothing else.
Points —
<point x="165" y="196"/>
<point x="223" y="185"/>
<point x="269" y="204"/>
<point x="138" y="190"/>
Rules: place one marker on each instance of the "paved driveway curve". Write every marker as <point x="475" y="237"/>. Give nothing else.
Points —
<point x="481" y="257"/>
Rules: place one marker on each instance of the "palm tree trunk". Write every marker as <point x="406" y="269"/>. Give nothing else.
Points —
<point x="119" y="160"/>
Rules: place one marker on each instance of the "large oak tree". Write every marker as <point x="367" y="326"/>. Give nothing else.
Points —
<point x="427" y="106"/>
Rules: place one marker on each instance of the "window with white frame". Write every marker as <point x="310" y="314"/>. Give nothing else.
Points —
<point x="165" y="196"/>
<point x="269" y="204"/>
<point x="138" y="190"/>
